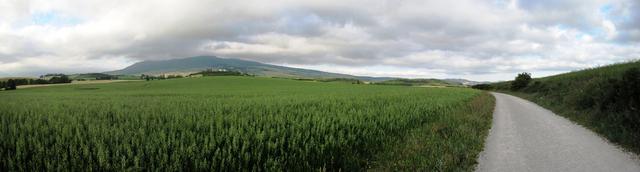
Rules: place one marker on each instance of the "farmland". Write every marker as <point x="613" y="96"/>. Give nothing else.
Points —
<point x="239" y="123"/>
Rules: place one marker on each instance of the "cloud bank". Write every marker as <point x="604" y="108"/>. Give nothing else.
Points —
<point x="473" y="39"/>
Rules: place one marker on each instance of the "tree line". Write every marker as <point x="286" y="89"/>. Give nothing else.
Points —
<point x="161" y="77"/>
<point x="521" y="81"/>
<point x="11" y="84"/>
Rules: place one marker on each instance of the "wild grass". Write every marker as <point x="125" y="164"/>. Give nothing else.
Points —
<point x="449" y="143"/>
<point x="225" y="124"/>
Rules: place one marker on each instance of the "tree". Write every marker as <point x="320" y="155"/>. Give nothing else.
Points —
<point x="60" y="79"/>
<point x="482" y="86"/>
<point x="11" y="85"/>
<point x="2" y="84"/>
<point x="65" y="79"/>
<point x="522" y="80"/>
<point x="41" y="81"/>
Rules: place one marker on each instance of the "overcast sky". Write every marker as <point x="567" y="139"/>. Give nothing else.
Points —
<point x="472" y="39"/>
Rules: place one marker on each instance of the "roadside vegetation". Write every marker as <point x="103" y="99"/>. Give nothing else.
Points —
<point x="605" y="99"/>
<point x="450" y="142"/>
<point x="236" y="123"/>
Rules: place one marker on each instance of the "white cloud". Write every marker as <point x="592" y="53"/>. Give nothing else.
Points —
<point x="414" y="38"/>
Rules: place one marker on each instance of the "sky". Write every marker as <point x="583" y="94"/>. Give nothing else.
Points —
<point x="486" y="40"/>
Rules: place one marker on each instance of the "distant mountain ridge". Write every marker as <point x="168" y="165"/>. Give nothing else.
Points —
<point x="199" y="63"/>
<point x="465" y="81"/>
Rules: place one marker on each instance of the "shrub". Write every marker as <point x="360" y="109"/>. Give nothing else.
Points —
<point x="106" y="77"/>
<point x="11" y="85"/>
<point x="60" y="79"/>
<point x="521" y="81"/>
<point x="482" y="87"/>
<point x="625" y="94"/>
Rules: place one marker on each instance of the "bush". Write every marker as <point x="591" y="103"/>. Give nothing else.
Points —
<point x="625" y="94"/>
<point x="106" y="77"/>
<point x="621" y="103"/>
<point x="521" y="81"/>
<point x="60" y="79"/>
<point x="11" y="85"/>
<point x="482" y="87"/>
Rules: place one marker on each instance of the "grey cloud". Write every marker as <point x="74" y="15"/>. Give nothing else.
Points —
<point x="627" y="18"/>
<point x="461" y="37"/>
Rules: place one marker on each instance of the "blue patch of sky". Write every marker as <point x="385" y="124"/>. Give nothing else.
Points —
<point x="582" y="32"/>
<point x="501" y="3"/>
<point x="52" y="18"/>
<point x="608" y="11"/>
<point x="595" y="31"/>
<point x="606" y="8"/>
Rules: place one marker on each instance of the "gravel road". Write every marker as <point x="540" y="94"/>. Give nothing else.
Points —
<point x="527" y="137"/>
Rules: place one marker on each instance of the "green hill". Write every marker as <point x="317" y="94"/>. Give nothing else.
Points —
<point x="605" y="99"/>
<point x="186" y="66"/>
<point x="200" y="63"/>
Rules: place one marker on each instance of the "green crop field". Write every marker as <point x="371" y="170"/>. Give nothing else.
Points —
<point x="238" y="124"/>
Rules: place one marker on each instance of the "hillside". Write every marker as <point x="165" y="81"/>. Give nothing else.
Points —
<point x="605" y="99"/>
<point x="186" y="66"/>
<point x="200" y="63"/>
<point x="464" y="81"/>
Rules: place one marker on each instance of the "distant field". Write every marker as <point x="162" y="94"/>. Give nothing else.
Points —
<point x="420" y="82"/>
<point x="75" y="83"/>
<point x="240" y="123"/>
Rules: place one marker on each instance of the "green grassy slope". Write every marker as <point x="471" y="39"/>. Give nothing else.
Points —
<point x="598" y="98"/>
<point x="200" y="63"/>
<point x="232" y="124"/>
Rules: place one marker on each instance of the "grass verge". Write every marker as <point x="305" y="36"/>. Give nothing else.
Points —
<point x="449" y="143"/>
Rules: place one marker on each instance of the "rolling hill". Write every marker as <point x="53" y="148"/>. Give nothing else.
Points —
<point x="199" y="63"/>
<point x="186" y="66"/>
